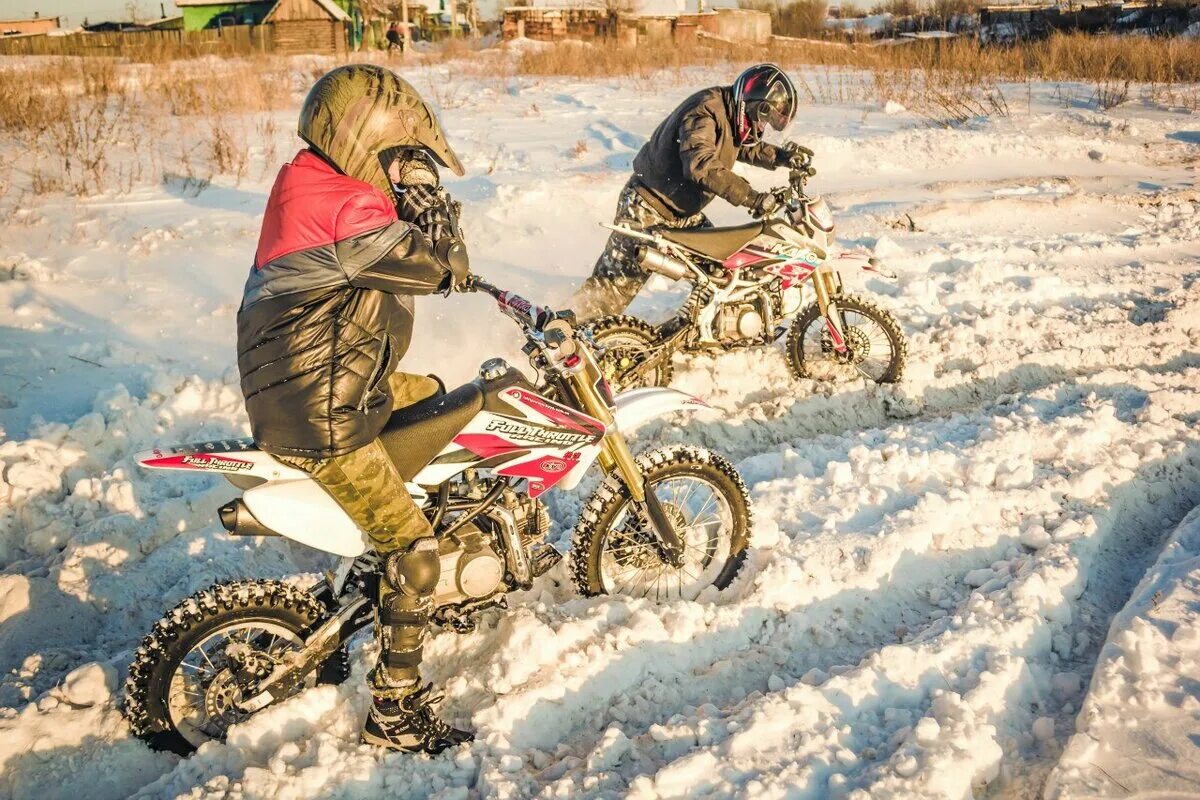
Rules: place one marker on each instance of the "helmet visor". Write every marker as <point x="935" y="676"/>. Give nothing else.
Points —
<point x="779" y="107"/>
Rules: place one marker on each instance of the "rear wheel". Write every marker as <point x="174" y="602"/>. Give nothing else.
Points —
<point x="875" y="346"/>
<point x="629" y="343"/>
<point x="613" y="552"/>
<point x="205" y="655"/>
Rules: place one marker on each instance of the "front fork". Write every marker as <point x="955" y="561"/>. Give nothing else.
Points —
<point x="828" y="287"/>
<point x="616" y="456"/>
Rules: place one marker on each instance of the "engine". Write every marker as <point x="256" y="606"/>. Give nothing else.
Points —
<point x="471" y="568"/>
<point x="740" y="321"/>
<point x="532" y="518"/>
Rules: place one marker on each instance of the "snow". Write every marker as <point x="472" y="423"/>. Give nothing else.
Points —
<point x="1137" y="729"/>
<point x="935" y="564"/>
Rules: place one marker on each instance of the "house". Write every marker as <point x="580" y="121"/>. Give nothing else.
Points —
<point x="308" y="26"/>
<point x="647" y="21"/>
<point x="201" y="14"/>
<point x="26" y="27"/>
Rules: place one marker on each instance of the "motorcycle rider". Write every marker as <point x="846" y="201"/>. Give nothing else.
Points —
<point x="687" y="161"/>
<point x="327" y="315"/>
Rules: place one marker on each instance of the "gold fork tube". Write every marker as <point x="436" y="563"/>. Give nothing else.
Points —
<point x="825" y="287"/>
<point x="614" y="451"/>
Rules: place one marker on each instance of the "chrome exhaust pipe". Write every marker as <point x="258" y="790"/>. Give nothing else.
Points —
<point x="661" y="263"/>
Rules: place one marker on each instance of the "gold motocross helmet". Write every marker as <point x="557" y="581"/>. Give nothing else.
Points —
<point x="354" y="114"/>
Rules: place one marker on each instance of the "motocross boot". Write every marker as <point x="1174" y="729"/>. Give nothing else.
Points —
<point x="409" y="724"/>
<point x="402" y="716"/>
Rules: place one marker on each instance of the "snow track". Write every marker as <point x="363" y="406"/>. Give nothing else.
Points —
<point x="935" y="564"/>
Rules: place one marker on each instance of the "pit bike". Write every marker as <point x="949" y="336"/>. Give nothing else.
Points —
<point x="747" y="283"/>
<point x="667" y="524"/>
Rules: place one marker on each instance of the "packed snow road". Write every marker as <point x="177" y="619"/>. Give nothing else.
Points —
<point x="935" y="564"/>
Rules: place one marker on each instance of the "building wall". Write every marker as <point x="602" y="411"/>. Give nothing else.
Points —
<point x="197" y="18"/>
<point x="741" y="25"/>
<point x="309" y="36"/>
<point x="9" y="27"/>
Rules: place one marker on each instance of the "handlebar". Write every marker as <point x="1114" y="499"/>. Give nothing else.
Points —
<point x="556" y="327"/>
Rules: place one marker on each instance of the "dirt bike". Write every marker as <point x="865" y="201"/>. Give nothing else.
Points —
<point x="667" y="524"/>
<point x="747" y="281"/>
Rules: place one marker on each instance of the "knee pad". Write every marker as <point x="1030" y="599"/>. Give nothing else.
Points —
<point x="414" y="571"/>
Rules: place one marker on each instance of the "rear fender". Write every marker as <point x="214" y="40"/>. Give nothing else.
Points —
<point x="231" y="458"/>
<point x="301" y="510"/>
<point x="641" y="405"/>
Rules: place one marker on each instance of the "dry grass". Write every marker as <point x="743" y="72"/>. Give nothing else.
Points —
<point x="94" y="125"/>
<point x="1060" y="57"/>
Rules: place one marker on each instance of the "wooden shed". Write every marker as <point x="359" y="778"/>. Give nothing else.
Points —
<point x="308" y="26"/>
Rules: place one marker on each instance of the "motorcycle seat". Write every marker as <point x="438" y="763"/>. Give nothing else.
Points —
<point x="415" y="434"/>
<point x="715" y="243"/>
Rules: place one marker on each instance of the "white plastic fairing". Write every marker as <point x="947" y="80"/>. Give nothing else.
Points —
<point x="820" y="214"/>
<point x="304" y="512"/>
<point x="640" y="405"/>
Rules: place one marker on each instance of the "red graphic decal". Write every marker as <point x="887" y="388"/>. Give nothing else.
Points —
<point x="485" y="445"/>
<point x="839" y="343"/>
<point x="791" y="272"/>
<point x="741" y="259"/>
<point x="559" y="414"/>
<point x="198" y="461"/>
<point x="542" y="473"/>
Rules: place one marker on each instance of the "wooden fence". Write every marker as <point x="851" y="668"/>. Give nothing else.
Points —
<point x="150" y="45"/>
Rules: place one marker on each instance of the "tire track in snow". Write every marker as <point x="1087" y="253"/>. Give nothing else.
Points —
<point x="665" y="670"/>
<point x="976" y="686"/>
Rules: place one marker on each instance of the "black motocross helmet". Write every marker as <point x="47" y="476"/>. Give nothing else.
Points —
<point x="762" y="95"/>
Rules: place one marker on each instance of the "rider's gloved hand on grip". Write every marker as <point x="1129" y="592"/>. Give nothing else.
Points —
<point x="452" y="254"/>
<point x="763" y="203"/>
<point x="795" y="156"/>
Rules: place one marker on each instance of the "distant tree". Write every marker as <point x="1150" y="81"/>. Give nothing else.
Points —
<point x="897" y="8"/>
<point x="800" y="18"/>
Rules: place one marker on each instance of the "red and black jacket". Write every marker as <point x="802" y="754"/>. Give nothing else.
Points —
<point x="328" y="311"/>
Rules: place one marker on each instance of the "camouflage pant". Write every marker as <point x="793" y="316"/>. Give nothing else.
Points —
<point x="616" y="279"/>
<point x="366" y="484"/>
<point x="369" y="488"/>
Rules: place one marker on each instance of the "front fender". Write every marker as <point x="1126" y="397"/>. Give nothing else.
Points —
<point x="862" y="261"/>
<point x="641" y="405"/>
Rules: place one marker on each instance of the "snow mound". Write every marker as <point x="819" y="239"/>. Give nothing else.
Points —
<point x="1140" y="722"/>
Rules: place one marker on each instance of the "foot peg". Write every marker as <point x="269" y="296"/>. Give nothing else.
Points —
<point x="542" y="558"/>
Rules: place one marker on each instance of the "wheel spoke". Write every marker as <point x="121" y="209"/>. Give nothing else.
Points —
<point x="633" y="566"/>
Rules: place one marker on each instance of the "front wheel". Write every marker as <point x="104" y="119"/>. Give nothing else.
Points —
<point x="628" y="344"/>
<point x="614" y="552"/>
<point x="202" y="658"/>
<point x="875" y="346"/>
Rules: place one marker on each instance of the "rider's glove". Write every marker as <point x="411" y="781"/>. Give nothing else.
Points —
<point x="795" y="156"/>
<point x="763" y="203"/>
<point x="430" y="209"/>
<point x="452" y="254"/>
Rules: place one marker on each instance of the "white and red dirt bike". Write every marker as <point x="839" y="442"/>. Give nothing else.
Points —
<point x="747" y="282"/>
<point x="667" y="524"/>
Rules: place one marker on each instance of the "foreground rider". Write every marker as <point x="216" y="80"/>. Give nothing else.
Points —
<point x="687" y="161"/>
<point x="326" y="317"/>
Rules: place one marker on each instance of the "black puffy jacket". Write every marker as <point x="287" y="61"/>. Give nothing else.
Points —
<point x="328" y="311"/>
<point x="690" y="156"/>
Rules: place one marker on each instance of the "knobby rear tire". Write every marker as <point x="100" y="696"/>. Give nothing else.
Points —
<point x="190" y="622"/>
